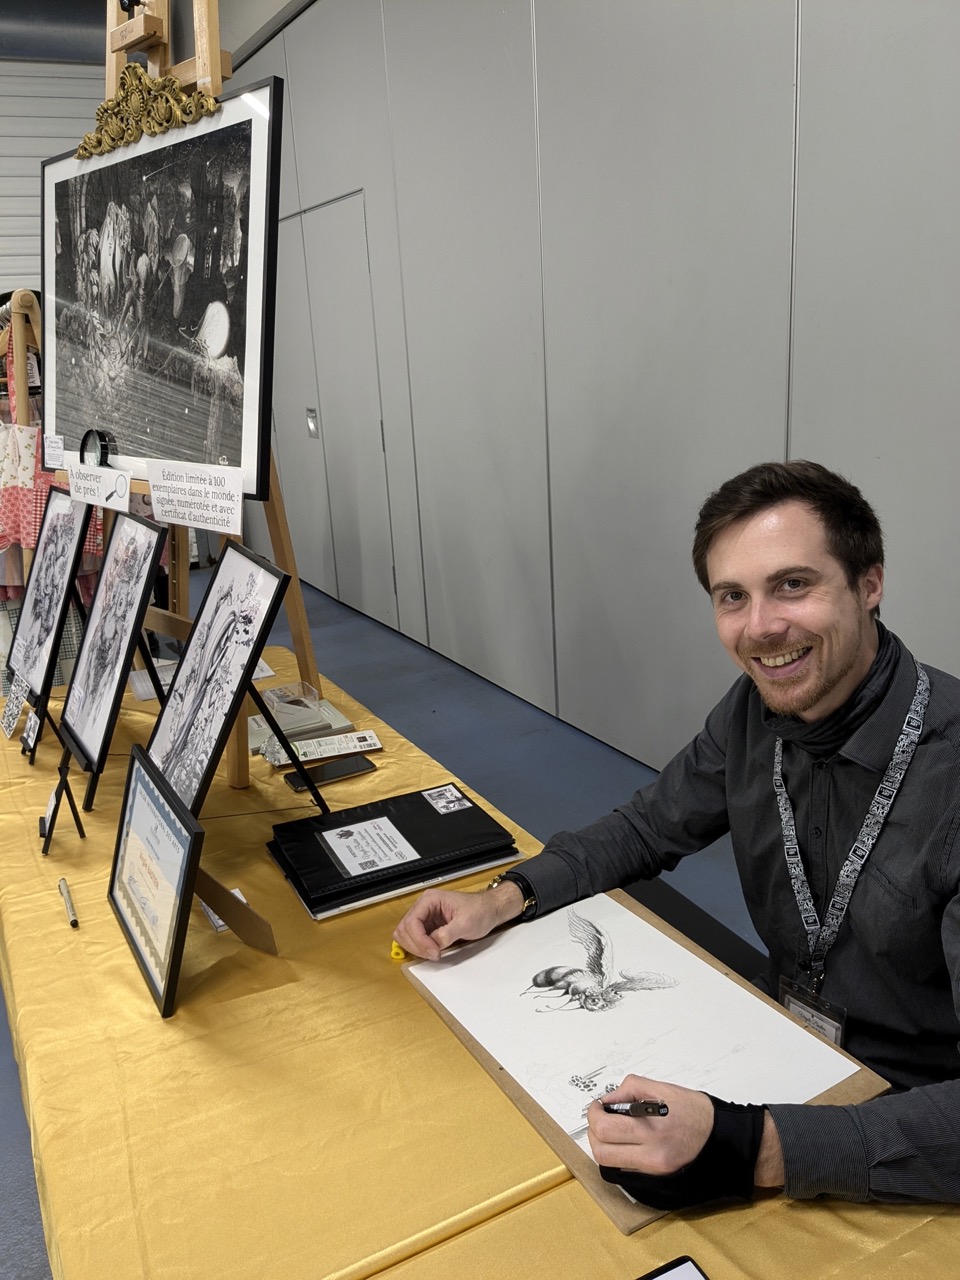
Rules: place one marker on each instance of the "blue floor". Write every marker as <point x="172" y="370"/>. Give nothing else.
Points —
<point x="544" y="774"/>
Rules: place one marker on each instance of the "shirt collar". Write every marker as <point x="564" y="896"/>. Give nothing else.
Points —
<point x="872" y="744"/>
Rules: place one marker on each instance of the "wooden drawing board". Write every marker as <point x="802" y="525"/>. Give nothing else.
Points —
<point x="627" y="1215"/>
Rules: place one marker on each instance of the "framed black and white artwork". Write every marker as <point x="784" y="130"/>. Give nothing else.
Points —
<point x="215" y="670"/>
<point x="154" y="870"/>
<point x="46" y="598"/>
<point x="159" y="274"/>
<point x="110" y="637"/>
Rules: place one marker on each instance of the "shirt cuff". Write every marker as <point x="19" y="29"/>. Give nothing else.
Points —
<point x="823" y="1152"/>
<point x="553" y="881"/>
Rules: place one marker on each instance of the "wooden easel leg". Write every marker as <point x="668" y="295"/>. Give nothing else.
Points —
<point x="206" y="35"/>
<point x="158" y="58"/>
<point x="179" y="570"/>
<point x="283" y="553"/>
<point x="115" y="62"/>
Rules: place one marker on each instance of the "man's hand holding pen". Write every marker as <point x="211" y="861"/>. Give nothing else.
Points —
<point x="656" y="1143"/>
<point x="687" y="1148"/>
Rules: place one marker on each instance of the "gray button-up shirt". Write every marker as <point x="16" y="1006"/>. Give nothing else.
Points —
<point x="895" y="966"/>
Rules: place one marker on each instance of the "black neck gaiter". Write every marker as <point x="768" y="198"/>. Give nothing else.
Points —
<point x="825" y="737"/>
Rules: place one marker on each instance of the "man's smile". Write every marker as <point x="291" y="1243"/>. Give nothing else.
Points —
<point x="782" y="659"/>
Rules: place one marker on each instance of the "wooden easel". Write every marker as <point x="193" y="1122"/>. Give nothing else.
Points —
<point x="148" y="32"/>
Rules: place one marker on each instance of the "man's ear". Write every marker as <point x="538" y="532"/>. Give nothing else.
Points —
<point x="871" y="586"/>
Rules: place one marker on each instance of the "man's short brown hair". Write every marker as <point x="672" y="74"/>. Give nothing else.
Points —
<point x="853" y="532"/>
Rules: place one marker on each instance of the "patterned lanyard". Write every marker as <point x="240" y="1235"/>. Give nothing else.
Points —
<point x="821" y="938"/>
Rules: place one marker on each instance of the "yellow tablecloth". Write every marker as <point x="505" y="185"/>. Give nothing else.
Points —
<point x="307" y="1115"/>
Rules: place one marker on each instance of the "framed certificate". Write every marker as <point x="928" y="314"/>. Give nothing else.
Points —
<point x="154" y="869"/>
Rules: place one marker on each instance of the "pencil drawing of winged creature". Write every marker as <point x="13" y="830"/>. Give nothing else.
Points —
<point x="592" y="987"/>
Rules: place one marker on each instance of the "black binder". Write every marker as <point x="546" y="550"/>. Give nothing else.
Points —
<point x="413" y="840"/>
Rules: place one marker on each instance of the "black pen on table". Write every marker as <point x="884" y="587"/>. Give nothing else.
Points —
<point x="642" y="1107"/>
<point x="68" y="903"/>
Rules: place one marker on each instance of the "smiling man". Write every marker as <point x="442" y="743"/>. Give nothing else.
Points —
<point x="834" y="764"/>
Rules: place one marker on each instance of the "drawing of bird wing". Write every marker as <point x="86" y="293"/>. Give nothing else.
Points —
<point x="596" y="944"/>
<point x="641" y="982"/>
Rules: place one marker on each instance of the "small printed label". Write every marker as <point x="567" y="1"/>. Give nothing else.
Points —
<point x="201" y="496"/>
<point x="14" y="706"/>
<point x="101" y="487"/>
<point x="52" y="807"/>
<point x="53" y="451"/>
<point x="339" y="744"/>
<point x="17" y="653"/>
<point x="368" y="846"/>
<point x="30" y="731"/>
<point x="446" y="799"/>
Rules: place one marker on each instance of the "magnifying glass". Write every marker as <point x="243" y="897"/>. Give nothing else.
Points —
<point x="119" y="489"/>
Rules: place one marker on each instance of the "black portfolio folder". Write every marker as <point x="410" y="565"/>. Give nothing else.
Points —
<point x="342" y="860"/>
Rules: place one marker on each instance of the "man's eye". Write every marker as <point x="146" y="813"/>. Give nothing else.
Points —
<point x="794" y="584"/>
<point x="732" y="597"/>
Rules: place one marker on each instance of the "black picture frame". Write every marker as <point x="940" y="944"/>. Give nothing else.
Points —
<point x="158" y="291"/>
<point x="110" y="637"/>
<point x="46" y="597"/>
<point x="152" y="877"/>
<point x="215" y="670"/>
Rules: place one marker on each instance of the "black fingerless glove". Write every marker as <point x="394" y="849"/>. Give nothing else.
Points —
<point x="723" y="1170"/>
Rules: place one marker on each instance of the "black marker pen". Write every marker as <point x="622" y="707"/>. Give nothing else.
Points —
<point x="643" y="1107"/>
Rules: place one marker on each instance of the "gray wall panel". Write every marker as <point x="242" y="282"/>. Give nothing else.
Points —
<point x="300" y="458"/>
<point x="345" y="352"/>
<point x="463" y="115"/>
<point x="666" y="156"/>
<point x="876" y="373"/>
<point x="338" y="89"/>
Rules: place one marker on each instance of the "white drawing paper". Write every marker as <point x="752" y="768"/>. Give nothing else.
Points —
<point x="571" y="1003"/>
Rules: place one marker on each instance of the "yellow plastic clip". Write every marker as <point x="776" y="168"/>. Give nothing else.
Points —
<point x="397" y="952"/>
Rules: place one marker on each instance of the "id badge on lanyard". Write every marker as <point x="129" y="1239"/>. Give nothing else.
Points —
<point x="805" y="1002"/>
<point x="829" y="1020"/>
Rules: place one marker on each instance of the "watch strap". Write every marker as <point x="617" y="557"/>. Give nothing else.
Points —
<point x="529" y="908"/>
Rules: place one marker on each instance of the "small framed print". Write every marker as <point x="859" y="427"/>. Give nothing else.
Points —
<point x="46" y="597"/>
<point x="153" y="875"/>
<point x="215" y="670"/>
<point x="110" y="638"/>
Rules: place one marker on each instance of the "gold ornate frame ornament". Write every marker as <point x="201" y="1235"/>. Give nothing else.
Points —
<point x="143" y="105"/>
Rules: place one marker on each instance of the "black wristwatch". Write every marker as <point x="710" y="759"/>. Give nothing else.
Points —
<point x="529" y="908"/>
